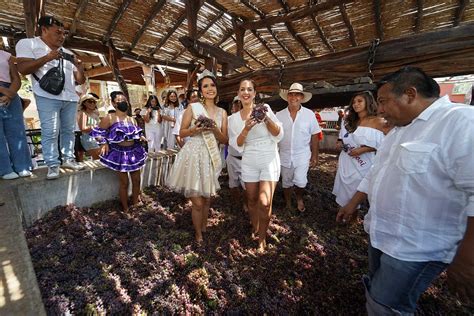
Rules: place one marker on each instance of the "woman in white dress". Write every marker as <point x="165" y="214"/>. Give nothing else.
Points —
<point x="197" y="166"/>
<point x="257" y="141"/>
<point x="169" y="116"/>
<point x="361" y="134"/>
<point x="153" y="126"/>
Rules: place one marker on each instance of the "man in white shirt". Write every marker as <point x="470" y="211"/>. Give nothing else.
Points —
<point x="421" y="194"/>
<point x="57" y="113"/>
<point x="299" y="148"/>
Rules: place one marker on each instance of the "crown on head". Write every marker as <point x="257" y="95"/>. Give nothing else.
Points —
<point x="205" y="73"/>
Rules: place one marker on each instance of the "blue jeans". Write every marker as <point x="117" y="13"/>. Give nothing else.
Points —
<point x="57" y="118"/>
<point x="14" y="152"/>
<point x="394" y="286"/>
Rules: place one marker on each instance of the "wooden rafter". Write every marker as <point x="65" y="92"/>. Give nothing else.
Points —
<point x="345" y="17"/>
<point x="169" y="33"/>
<point x="292" y="30"/>
<point x="460" y="11"/>
<point x="156" y="8"/>
<point x="33" y="10"/>
<point x="250" y="55"/>
<point x="118" y="15"/>
<point x="264" y="44"/>
<point x="419" y="15"/>
<point x="104" y="70"/>
<point x="254" y="8"/>
<point x="239" y="38"/>
<point x="77" y="16"/>
<point x="378" y="18"/>
<point x="294" y="15"/>
<point x="321" y="34"/>
<point x="201" y="32"/>
<point x="205" y="50"/>
<point x="192" y="9"/>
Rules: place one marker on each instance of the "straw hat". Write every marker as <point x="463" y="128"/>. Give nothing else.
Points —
<point x="86" y="97"/>
<point x="296" y="88"/>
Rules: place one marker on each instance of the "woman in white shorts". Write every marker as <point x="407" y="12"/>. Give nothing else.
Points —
<point x="257" y="140"/>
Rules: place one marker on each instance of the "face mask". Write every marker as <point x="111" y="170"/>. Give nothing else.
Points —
<point x="122" y="106"/>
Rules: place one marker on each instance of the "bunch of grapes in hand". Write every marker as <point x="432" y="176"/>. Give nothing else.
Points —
<point x="205" y="122"/>
<point x="258" y="112"/>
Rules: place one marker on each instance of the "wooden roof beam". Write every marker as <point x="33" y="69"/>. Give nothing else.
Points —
<point x="321" y="34"/>
<point x="264" y="43"/>
<point x="169" y="33"/>
<point x="100" y="71"/>
<point x="192" y="10"/>
<point x="250" y="55"/>
<point x="345" y="17"/>
<point x="294" y="15"/>
<point x="77" y="16"/>
<point x="201" y="32"/>
<point x="460" y="11"/>
<point x="204" y="50"/>
<point x="292" y="30"/>
<point x="419" y="15"/>
<point x="118" y="15"/>
<point x="378" y="18"/>
<point x="254" y="8"/>
<point x="156" y="8"/>
<point x="33" y="10"/>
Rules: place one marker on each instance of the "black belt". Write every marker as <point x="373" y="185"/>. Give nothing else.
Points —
<point x="237" y="157"/>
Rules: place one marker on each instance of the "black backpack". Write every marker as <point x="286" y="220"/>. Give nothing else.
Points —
<point x="53" y="80"/>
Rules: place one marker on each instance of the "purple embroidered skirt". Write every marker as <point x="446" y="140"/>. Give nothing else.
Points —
<point x="124" y="158"/>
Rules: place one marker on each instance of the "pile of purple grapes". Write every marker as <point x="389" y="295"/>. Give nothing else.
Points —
<point x="258" y="112"/>
<point x="204" y="121"/>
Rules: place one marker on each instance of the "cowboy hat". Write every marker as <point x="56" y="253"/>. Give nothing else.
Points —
<point x="86" y="97"/>
<point x="296" y="88"/>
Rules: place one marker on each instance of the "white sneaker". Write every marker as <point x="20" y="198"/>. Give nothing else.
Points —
<point x="72" y="165"/>
<point x="24" y="173"/>
<point x="53" y="173"/>
<point x="10" y="176"/>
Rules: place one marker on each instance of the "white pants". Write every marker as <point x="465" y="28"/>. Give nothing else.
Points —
<point x="297" y="176"/>
<point x="154" y="137"/>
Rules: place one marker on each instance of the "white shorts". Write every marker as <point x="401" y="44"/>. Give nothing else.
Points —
<point x="234" y="169"/>
<point x="294" y="176"/>
<point x="261" y="167"/>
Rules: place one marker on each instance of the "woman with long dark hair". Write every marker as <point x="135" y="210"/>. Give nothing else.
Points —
<point x="256" y="133"/>
<point x="153" y="126"/>
<point x="170" y="114"/>
<point x="359" y="137"/>
<point x="197" y="166"/>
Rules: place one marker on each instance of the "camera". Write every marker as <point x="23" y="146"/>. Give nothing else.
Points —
<point x="67" y="56"/>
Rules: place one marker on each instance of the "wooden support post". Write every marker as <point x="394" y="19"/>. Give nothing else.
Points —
<point x="33" y="10"/>
<point x="192" y="9"/>
<point x="112" y="60"/>
<point x="191" y="77"/>
<point x="149" y="77"/>
<point x="239" y="38"/>
<point x="211" y="64"/>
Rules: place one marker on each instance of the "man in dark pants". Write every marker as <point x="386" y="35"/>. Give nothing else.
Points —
<point x="421" y="194"/>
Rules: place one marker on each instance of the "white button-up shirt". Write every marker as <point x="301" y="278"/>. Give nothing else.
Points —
<point x="295" y="147"/>
<point x="35" y="48"/>
<point x="421" y="186"/>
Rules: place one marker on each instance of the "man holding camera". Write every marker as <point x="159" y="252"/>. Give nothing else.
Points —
<point x="56" y="103"/>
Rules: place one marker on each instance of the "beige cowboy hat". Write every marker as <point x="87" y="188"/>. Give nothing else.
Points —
<point x="86" y="97"/>
<point x="296" y="88"/>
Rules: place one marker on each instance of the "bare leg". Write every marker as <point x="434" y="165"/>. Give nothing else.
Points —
<point x="245" y="203"/>
<point x="196" y="215"/>
<point x="299" y="199"/>
<point x="94" y="153"/>
<point x="252" y="201"/>
<point x="236" y="196"/>
<point x="265" y="200"/>
<point x="287" y="193"/>
<point x="135" y="175"/>
<point x="123" y="190"/>
<point x="205" y="213"/>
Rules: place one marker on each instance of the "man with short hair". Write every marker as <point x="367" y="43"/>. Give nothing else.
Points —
<point x="299" y="148"/>
<point x="57" y="113"/>
<point x="421" y="194"/>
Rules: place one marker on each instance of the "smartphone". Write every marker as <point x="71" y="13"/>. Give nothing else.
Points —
<point x="67" y="56"/>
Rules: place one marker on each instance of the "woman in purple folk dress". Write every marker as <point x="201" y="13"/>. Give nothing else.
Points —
<point x="121" y="151"/>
